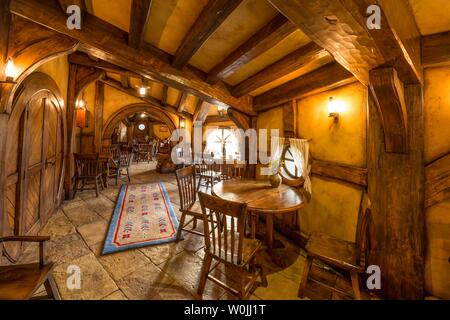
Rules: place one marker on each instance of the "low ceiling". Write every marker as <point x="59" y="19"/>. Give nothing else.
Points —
<point x="171" y="20"/>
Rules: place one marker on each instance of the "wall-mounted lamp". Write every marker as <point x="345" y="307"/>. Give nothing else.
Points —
<point x="10" y="71"/>
<point x="143" y="115"/>
<point x="81" y="114"/>
<point x="334" y="108"/>
<point x="182" y="123"/>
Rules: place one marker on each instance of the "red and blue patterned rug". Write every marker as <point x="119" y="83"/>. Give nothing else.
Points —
<point x="143" y="217"/>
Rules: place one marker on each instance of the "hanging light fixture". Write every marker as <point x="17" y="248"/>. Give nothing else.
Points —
<point x="142" y="91"/>
<point x="222" y="110"/>
<point x="10" y="71"/>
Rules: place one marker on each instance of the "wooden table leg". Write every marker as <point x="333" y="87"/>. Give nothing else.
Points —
<point x="269" y="231"/>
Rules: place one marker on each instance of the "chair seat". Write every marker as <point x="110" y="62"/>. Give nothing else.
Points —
<point x="337" y="252"/>
<point x="195" y="210"/>
<point x="249" y="248"/>
<point x="20" y="282"/>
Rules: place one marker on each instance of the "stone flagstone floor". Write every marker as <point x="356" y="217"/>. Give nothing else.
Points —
<point x="168" y="271"/>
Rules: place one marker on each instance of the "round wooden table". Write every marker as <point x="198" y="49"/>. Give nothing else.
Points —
<point x="260" y="197"/>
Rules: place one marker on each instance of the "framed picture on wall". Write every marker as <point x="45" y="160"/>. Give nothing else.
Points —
<point x="163" y="129"/>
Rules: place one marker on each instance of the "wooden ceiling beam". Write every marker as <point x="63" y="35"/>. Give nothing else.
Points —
<point x="125" y="81"/>
<point x="140" y="13"/>
<point x="309" y="54"/>
<point x="211" y="17"/>
<point x="104" y="41"/>
<point x="266" y="38"/>
<point x="182" y="103"/>
<point x="83" y="59"/>
<point x="328" y="77"/>
<point x="341" y="28"/>
<point x="132" y="92"/>
<point x="201" y="112"/>
<point x="436" y="49"/>
<point x="64" y="4"/>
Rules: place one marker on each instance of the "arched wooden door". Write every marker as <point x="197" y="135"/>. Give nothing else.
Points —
<point x="41" y="158"/>
<point x="35" y="157"/>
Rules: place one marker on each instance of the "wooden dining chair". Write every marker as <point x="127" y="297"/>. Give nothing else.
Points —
<point x="207" y="172"/>
<point x="339" y="253"/>
<point x="20" y="282"/>
<point x="145" y="152"/>
<point x="124" y="163"/>
<point x="235" y="171"/>
<point x="88" y="172"/>
<point x="189" y="206"/>
<point x="225" y="243"/>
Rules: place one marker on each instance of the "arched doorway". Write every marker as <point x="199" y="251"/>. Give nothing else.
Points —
<point x="35" y="156"/>
<point x="135" y="109"/>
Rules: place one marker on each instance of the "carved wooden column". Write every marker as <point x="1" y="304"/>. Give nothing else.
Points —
<point x="396" y="192"/>
<point x="98" y="114"/>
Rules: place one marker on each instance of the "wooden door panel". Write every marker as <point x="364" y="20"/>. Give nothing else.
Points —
<point x="31" y="214"/>
<point x="35" y="129"/>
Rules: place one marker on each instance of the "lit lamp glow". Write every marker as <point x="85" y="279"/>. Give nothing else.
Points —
<point x="182" y="123"/>
<point x="81" y="114"/>
<point x="222" y="110"/>
<point x="10" y="71"/>
<point x="142" y="91"/>
<point x="334" y="108"/>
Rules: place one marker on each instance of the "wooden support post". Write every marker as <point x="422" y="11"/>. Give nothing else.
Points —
<point x="397" y="196"/>
<point x="4" y="117"/>
<point x="70" y="120"/>
<point x="98" y="114"/>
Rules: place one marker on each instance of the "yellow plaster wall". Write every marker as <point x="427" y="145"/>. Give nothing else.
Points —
<point x="334" y="205"/>
<point x="160" y="135"/>
<point x="58" y="69"/>
<point x="437" y="217"/>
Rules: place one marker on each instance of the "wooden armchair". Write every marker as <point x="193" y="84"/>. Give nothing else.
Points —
<point x="225" y="243"/>
<point x="88" y="171"/>
<point x="20" y="282"/>
<point x="122" y="164"/>
<point x="340" y="254"/>
<point x="188" y="201"/>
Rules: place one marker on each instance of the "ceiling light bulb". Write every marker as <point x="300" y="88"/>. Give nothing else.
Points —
<point x="142" y="91"/>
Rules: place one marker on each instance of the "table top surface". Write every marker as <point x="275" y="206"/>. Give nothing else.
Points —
<point x="259" y="195"/>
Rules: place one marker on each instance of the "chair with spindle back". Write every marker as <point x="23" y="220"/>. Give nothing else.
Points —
<point x="341" y="254"/>
<point x="124" y="162"/>
<point x="234" y="171"/>
<point x="145" y="152"/>
<point x="88" y="171"/>
<point x="20" y="282"/>
<point x="189" y="206"/>
<point x="209" y="172"/>
<point x="225" y="243"/>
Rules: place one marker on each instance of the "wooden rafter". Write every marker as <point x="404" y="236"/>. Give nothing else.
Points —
<point x="436" y="49"/>
<point x="325" y="78"/>
<point x="308" y="55"/>
<point x="341" y="28"/>
<point x="132" y="92"/>
<point x="115" y="50"/>
<point x="266" y="38"/>
<point x="212" y="16"/>
<point x="64" y="4"/>
<point x="201" y="112"/>
<point x="140" y="13"/>
<point x="164" y="95"/>
<point x="125" y="80"/>
<point x="182" y="103"/>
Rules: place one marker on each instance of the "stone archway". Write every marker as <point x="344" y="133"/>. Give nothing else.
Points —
<point x="125" y="111"/>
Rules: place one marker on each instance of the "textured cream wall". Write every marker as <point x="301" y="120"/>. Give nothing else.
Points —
<point x="437" y="217"/>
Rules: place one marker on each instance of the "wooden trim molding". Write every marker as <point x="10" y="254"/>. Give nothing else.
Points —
<point x="350" y="174"/>
<point x="437" y="181"/>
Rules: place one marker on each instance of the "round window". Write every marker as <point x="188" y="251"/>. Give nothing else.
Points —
<point x="141" y="127"/>
<point x="293" y="169"/>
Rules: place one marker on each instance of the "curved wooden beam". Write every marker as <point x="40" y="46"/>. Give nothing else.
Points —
<point x="241" y="121"/>
<point x="33" y="46"/>
<point x="388" y="95"/>
<point x="125" y="111"/>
